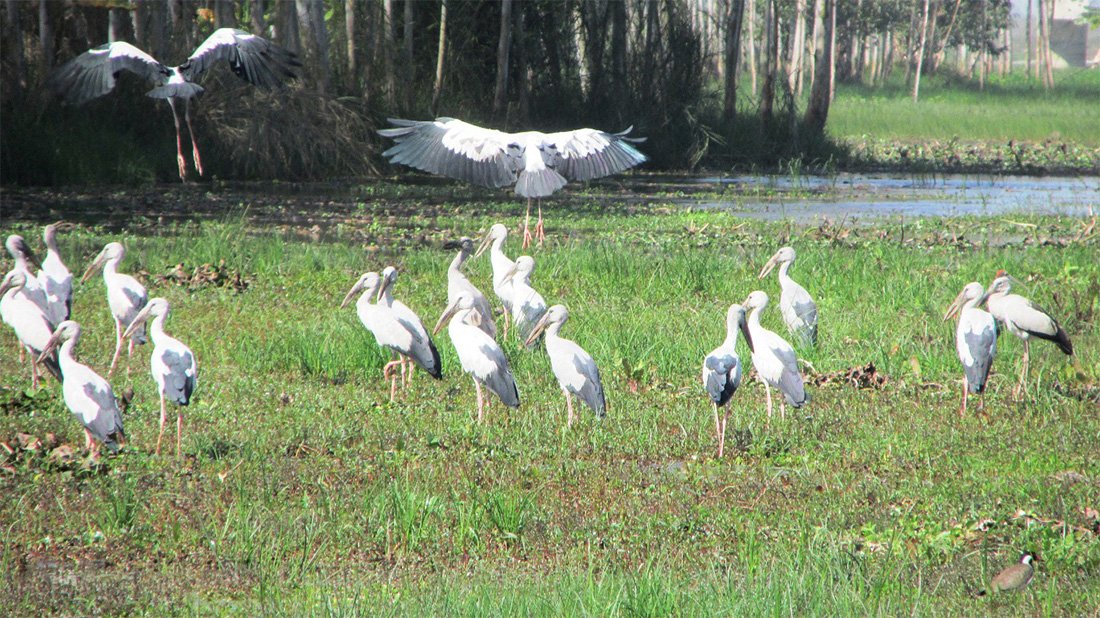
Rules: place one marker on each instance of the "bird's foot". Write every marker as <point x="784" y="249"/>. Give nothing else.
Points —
<point x="527" y="237"/>
<point x="198" y="160"/>
<point x="183" y="166"/>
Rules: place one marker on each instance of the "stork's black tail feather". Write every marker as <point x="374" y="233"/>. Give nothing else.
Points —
<point x="437" y="365"/>
<point x="51" y="364"/>
<point x="1060" y="338"/>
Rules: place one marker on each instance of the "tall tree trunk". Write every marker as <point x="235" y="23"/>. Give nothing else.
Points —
<point x="351" y="33"/>
<point x="440" y="55"/>
<point x="256" y="17"/>
<point x="853" y="43"/>
<point x="389" y="47"/>
<point x="311" y="20"/>
<point x="750" y="16"/>
<point x="983" y="52"/>
<point x="818" y="8"/>
<point x="771" y="62"/>
<point x="1046" y="13"/>
<point x="817" y="111"/>
<point x="523" y="91"/>
<point x="920" y="51"/>
<point x="734" y="19"/>
<point x="409" y="77"/>
<point x="224" y="14"/>
<point x="1030" y="42"/>
<point x="619" y="89"/>
<point x="14" y="38"/>
<point x="794" y="49"/>
<point x="504" y="42"/>
<point x="45" y="35"/>
<point x="286" y="32"/>
<point x="117" y="21"/>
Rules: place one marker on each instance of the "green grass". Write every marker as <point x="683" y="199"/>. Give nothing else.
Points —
<point x="1010" y="108"/>
<point x="303" y="491"/>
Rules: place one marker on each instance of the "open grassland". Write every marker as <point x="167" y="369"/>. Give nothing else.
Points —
<point x="302" y="490"/>
<point x="1009" y="108"/>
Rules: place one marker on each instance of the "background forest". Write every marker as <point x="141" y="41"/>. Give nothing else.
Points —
<point x="724" y="83"/>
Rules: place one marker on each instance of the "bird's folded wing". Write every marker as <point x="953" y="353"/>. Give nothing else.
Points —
<point x="93" y="73"/>
<point x="254" y="59"/>
<point x="585" y="154"/>
<point x="455" y="149"/>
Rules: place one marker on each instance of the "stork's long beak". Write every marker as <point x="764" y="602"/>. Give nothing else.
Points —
<point x="55" y="338"/>
<point x="94" y="267"/>
<point x="511" y="272"/>
<point x="769" y="266"/>
<point x="448" y="313"/>
<point x="539" y="327"/>
<point x="485" y="242"/>
<point x="743" y="324"/>
<point x="5" y="286"/>
<point x="355" y="289"/>
<point x="386" y="283"/>
<point x="139" y="319"/>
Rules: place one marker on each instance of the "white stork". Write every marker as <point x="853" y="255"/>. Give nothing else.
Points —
<point x="172" y="364"/>
<point x="774" y="358"/>
<point x="795" y="303"/>
<point x="1024" y="319"/>
<point x="501" y="266"/>
<point x="254" y="59"/>
<point x="479" y="353"/>
<point x="429" y="358"/>
<point x="54" y="276"/>
<point x="29" y="322"/>
<point x="88" y="396"/>
<point x="722" y="370"/>
<point x="574" y="368"/>
<point x="458" y="284"/>
<point x="25" y="258"/>
<point x="975" y="341"/>
<point x="537" y="163"/>
<point x="528" y="306"/>
<point x="125" y="297"/>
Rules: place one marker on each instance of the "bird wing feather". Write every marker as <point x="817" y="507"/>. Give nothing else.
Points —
<point x="254" y="59"/>
<point x="455" y="149"/>
<point x="93" y="73"/>
<point x="584" y="154"/>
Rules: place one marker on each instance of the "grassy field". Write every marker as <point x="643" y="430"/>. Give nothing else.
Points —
<point x="302" y="491"/>
<point x="1009" y="108"/>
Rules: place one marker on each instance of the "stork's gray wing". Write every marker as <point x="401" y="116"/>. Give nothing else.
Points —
<point x="591" y="392"/>
<point x="93" y="73"/>
<point x="254" y="59"/>
<point x="585" y="154"/>
<point x="501" y="381"/>
<point x="179" y="382"/>
<point x="455" y="149"/>
<point x="106" y="425"/>
<point x="722" y="376"/>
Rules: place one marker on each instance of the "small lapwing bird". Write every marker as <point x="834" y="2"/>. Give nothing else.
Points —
<point x="1015" y="577"/>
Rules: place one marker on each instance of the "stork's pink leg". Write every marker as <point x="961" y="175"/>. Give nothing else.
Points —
<point x="179" y="435"/>
<point x="717" y="428"/>
<point x="389" y="373"/>
<point x="540" y="233"/>
<point x="962" y="407"/>
<point x="191" y="130"/>
<point x="527" y="238"/>
<point x="163" y="419"/>
<point x="34" y="372"/>
<point x="507" y="319"/>
<point x="768" y="392"/>
<point x="480" y="407"/>
<point x="722" y="442"/>
<point x="179" y="142"/>
<point x="118" y="347"/>
<point x="129" y="356"/>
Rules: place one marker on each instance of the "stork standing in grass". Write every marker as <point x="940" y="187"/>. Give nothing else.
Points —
<point x="25" y="258"/>
<point x="480" y="355"/>
<point x="458" y="284"/>
<point x="574" y="368"/>
<point x="29" y="322"/>
<point x="125" y="297"/>
<point x="528" y="306"/>
<point x="254" y="59"/>
<point x="1024" y="319"/>
<point x="389" y="331"/>
<point x="502" y="265"/>
<point x="55" y="278"/>
<point x="88" y="396"/>
<point x="795" y="303"/>
<point x="975" y="341"/>
<point x="537" y="163"/>
<point x="774" y="358"/>
<point x="172" y="364"/>
<point x="722" y="370"/>
<point x="429" y="358"/>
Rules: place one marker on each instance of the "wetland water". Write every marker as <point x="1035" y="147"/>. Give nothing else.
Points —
<point x="875" y="196"/>
<point x="806" y="198"/>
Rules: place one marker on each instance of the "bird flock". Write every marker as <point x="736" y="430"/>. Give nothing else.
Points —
<point x="38" y="308"/>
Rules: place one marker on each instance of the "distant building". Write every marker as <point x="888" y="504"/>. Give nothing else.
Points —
<point x="1073" y="43"/>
